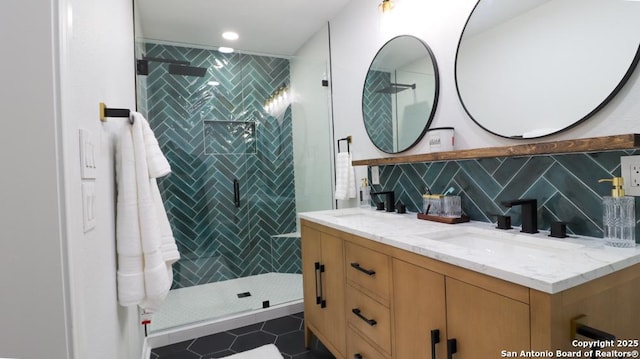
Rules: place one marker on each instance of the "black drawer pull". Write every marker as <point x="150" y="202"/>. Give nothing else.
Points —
<point x="452" y="348"/>
<point x="435" y="339"/>
<point x="357" y="356"/>
<point x="366" y="271"/>
<point x="371" y="322"/>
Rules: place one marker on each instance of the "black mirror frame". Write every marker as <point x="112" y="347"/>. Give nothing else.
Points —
<point x="599" y="107"/>
<point x="435" y="94"/>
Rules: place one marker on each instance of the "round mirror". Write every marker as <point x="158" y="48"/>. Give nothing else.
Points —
<point x="400" y="94"/>
<point x="531" y="68"/>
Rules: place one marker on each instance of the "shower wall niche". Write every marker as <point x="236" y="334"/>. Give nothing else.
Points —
<point x="215" y="132"/>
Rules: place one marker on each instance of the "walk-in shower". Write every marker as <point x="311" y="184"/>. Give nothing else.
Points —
<point x="230" y="197"/>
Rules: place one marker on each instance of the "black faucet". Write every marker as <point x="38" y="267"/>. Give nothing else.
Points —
<point x="529" y="213"/>
<point x="390" y="203"/>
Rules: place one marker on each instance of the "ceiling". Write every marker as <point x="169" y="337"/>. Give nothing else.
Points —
<point x="277" y="28"/>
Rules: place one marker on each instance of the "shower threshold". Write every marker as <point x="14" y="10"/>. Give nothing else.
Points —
<point x="186" y="307"/>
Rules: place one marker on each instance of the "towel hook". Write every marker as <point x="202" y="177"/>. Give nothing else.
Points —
<point x="114" y="112"/>
<point x="348" y="139"/>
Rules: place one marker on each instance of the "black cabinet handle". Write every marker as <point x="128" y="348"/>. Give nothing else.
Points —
<point x="371" y="322"/>
<point x="323" y="302"/>
<point x="316" y="274"/>
<point x="435" y="339"/>
<point x="365" y="271"/>
<point x="357" y="356"/>
<point x="236" y="193"/>
<point x="593" y="333"/>
<point x="452" y="348"/>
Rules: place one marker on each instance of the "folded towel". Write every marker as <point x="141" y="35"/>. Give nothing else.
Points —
<point x="268" y="351"/>
<point x="345" y="177"/>
<point x="145" y="244"/>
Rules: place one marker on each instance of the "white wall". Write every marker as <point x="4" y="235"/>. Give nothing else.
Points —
<point x="33" y="303"/>
<point x="98" y="66"/>
<point x="358" y="32"/>
<point x="59" y="293"/>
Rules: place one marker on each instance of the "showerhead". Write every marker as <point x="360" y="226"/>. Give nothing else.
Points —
<point x="395" y="88"/>
<point x="176" y="67"/>
<point x="390" y="90"/>
<point x="187" y="70"/>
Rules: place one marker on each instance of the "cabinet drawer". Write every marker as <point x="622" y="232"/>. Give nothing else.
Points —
<point x="368" y="269"/>
<point x="369" y="317"/>
<point x="359" y="348"/>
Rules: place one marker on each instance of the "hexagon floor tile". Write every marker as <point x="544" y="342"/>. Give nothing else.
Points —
<point x="287" y="333"/>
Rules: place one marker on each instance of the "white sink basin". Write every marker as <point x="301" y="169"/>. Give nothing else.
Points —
<point x="494" y="241"/>
<point x="366" y="213"/>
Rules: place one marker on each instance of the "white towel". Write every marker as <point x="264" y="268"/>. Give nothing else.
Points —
<point x="345" y="177"/>
<point x="268" y="351"/>
<point x="145" y="245"/>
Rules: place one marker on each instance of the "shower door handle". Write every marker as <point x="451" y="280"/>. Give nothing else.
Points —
<point x="236" y="193"/>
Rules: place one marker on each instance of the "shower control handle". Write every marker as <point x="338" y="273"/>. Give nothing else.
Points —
<point x="236" y="192"/>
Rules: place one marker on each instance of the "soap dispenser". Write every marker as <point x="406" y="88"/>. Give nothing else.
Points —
<point x="365" y="194"/>
<point x="619" y="216"/>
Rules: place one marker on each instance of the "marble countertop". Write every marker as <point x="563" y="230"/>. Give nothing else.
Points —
<point x="536" y="261"/>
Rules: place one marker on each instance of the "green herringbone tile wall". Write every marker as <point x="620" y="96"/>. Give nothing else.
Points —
<point x="566" y="186"/>
<point x="212" y="135"/>
<point x="377" y="110"/>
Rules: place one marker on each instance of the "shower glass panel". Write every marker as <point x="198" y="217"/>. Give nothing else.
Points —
<point x="230" y="197"/>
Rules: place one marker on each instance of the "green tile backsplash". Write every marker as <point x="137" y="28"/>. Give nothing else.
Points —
<point x="566" y="186"/>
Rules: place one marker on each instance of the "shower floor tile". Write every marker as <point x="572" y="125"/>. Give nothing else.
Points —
<point x="287" y="333"/>
<point x="220" y="299"/>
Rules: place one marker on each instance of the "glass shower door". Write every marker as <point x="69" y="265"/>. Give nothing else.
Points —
<point x="231" y="196"/>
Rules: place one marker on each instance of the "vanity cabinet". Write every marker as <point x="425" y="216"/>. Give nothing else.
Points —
<point x="323" y="287"/>
<point x="384" y="302"/>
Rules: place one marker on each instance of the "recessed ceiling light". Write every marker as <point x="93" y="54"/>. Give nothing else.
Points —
<point x="225" y="50"/>
<point x="230" y="35"/>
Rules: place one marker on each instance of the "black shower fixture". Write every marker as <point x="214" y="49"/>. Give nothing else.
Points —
<point x="176" y="67"/>
<point x="187" y="70"/>
<point x="395" y="88"/>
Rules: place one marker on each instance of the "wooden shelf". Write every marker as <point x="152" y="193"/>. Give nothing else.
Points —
<point x="594" y="144"/>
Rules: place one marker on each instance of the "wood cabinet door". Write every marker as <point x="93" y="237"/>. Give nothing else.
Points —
<point x="323" y="288"/>
<point x="333" y="288"/>
<point x="484" y="323"/>
<point x="419" y="308"/>
<point x="311" y="257"/>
